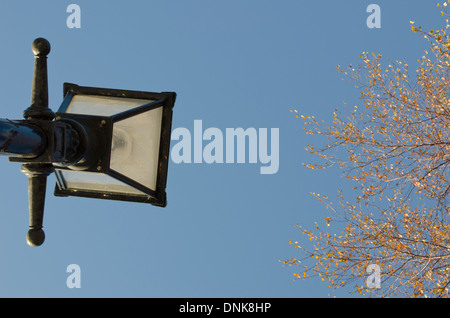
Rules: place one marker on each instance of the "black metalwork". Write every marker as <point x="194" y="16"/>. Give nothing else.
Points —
<point x="20" y="139"/>
<point x="39" y="142"/>
<point x="37" y="172"/>
<point x="101" y="128"/>
<point x="37" y="184"/>
<point x="39" y="93"/>
<point x="46" y="142"/>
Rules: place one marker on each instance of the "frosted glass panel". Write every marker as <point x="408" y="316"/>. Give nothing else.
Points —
<point x="103" y="105"/>
<point x="87" y="181"/>
<point x="135" y="147"/>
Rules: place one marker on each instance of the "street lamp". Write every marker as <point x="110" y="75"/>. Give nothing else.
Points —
<point x="101" y="143"/>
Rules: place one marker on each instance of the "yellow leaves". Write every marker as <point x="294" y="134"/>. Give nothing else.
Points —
<point x="290" y="262"/>
<point x="296" y="116"/>
<point x="390" y="147"/>
<point x="415" y="30"/>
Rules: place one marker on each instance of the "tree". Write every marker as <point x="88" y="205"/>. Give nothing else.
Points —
<point x="395" y="148"/>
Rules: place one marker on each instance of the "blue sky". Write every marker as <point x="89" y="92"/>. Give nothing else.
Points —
<point x="232" y="64"/>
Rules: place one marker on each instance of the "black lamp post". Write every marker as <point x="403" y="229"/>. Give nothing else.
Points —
<point x="102" y="143"/>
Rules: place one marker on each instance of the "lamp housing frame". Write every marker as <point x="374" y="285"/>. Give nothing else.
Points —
<point x="98" y="143"/>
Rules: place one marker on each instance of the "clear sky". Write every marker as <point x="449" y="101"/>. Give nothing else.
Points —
<point x="232" y="64"/>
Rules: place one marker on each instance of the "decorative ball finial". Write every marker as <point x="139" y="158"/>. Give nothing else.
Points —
<point x="35" y="237"/>
<point x="41" y="47"/>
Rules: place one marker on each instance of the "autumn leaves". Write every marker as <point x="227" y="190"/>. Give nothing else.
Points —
<point x="395" y="150"/>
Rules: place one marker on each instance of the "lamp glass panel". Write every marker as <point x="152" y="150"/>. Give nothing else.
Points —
<point x="135" y="147"/>
<point x="102" y="105"/>
<point x="88" y="181"/>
